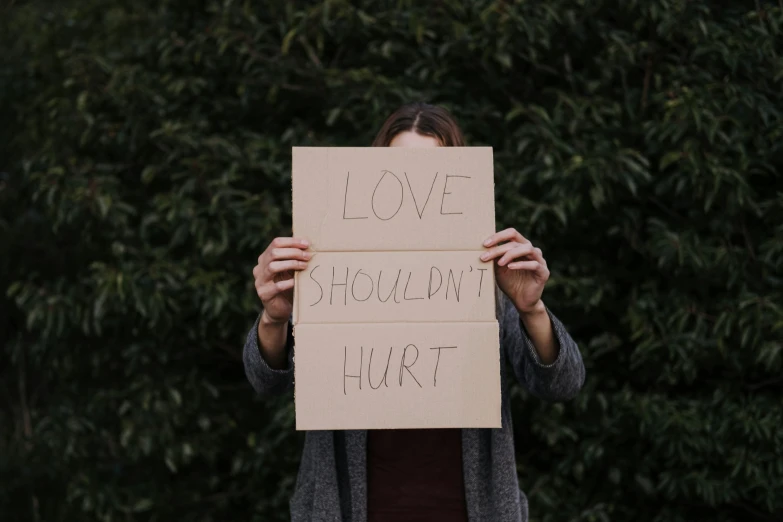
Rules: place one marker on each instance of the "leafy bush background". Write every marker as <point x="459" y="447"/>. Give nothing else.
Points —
<point x="145" y="155"/>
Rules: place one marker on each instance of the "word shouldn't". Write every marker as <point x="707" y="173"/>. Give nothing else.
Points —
<point x="377" y="374"/>
<point x="396" y="286"/>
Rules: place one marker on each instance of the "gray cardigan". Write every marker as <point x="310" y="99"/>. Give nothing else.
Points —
<point x="332" y="480"/>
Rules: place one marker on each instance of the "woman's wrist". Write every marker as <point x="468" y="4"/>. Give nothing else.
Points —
<point x="268" y="321"/>
<point x="536" y="321"/>
<point x="272" y="336"/>
<point x="531" y="311"/>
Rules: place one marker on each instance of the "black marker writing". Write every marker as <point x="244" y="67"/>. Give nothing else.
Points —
<point x="393" y="290"/>
<point x="353" y="285"/>
<point x="345" y="364"/>
<point x="376" y="189"/>
<point x="439" y="348"/>
<point x="345" y="294"/>
<point x="320" y="288"/>
<point x="430" y="293"/>
<point x="405" y="293"/>
<point x="368" y="286"/>
<point x="454" y="284"/>
<point x="420" y="212"/>
<point x="345" y="200"/>
<point x="385" y="372"/>
<point x="404" y="366"/>
<point x="443" y="197"/>
<point x="482" y="270"/>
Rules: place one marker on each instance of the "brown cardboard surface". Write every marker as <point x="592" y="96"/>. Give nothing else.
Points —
<point x="389" y="287"/>
<point x="456" y="386"/>
<point x="396" y="278"/>
<point x="393" y="198"/>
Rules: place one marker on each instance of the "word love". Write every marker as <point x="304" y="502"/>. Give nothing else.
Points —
<point x="395" y="286"/>
<point x="377" y="374"/>
<point x="389" y="193"/>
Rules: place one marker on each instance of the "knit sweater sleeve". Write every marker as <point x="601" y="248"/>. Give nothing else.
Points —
<point x="266" y="380"/>
<point x="558" y="381"/>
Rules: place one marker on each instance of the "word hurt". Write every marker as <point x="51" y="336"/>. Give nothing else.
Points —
<point x="408" y="356"/>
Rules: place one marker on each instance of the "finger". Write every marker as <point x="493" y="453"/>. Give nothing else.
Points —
<point x="538" y="255"/>
<point x="524" y="265"/>
<point x="280" y="283"/>
<point x="284" y="284"/>
<point x="275" y="267"/>
<point x="515" y="253"/>
<point x="509" y="234"/>
<point x="497" y="251"/>
<point x="289" y="242"/>
<point x="269" y="290"/>
<point x="279" y="254"/>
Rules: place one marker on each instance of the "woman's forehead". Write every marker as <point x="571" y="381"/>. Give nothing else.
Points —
<point x="413" y="139"/>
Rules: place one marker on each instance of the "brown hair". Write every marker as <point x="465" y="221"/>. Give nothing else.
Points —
<point x="424" y="119"/>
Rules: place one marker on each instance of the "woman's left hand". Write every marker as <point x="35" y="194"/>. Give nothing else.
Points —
<point x="521" y="270"/>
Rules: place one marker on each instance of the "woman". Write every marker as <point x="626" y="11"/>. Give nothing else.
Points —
<point x="429" y="474"/>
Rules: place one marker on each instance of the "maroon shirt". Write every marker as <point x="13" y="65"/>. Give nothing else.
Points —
<point x="415" y="475"/>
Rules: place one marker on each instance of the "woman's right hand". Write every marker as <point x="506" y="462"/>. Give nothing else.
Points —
<point x="274" y="276"/>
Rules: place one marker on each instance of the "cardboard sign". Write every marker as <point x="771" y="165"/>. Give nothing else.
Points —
<point x="394" y="318"/>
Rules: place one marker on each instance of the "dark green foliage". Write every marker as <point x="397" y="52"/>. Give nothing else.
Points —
<point x="144" y="165"/>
